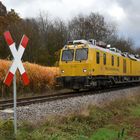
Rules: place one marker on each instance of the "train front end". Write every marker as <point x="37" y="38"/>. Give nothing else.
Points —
<point x="74" y="65"/>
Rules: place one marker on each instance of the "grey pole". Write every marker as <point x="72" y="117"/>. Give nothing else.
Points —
<point x="15" y="104"/>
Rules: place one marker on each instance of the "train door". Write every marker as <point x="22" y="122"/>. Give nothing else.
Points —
<point x="124" y="66"/>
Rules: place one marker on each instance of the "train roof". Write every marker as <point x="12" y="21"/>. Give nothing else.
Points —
<point x="103" y="47"/>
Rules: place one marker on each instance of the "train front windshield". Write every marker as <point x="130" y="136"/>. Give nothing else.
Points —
<point x="67" y="55"/>
<point x="81" y="54"/>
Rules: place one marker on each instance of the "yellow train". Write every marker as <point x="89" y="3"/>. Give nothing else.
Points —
<point x="87" y="64"/>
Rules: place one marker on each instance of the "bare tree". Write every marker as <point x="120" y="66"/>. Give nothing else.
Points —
<point x="91" y="26"/>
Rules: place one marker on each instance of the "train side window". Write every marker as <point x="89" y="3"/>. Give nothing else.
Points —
<point x="124" y="66"/>
<point x="97" y="57"/>
<point x="112" y="60"/>
<point x="104" y="58"/>
<point x="118" y="61"/>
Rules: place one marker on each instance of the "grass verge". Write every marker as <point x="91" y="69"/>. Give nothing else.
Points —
<point x="119" y="120"/>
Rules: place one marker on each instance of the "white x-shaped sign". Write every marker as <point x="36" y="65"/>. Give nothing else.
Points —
<point x="17" y="54"/>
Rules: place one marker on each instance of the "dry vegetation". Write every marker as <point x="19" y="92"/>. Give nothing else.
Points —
<point x="41" y="77"/>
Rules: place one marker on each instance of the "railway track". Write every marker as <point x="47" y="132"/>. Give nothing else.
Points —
<point x="4" y="104"/>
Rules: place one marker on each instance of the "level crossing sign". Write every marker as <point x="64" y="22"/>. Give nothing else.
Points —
<point x="17" y="64"/>
<point x="17" y="54"/>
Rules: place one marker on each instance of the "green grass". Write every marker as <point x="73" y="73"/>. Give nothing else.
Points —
<point x="104" y="134"/>
<point x="135" y="111"/>
<point x="116" y="121"/>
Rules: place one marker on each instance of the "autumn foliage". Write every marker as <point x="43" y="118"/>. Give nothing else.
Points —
<point x="41" y="78"/>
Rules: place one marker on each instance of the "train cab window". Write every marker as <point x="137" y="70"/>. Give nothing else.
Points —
<point x="81" y="54"/>
<point x="97" y="57"/>
<point x="67" y="55"/>
<point x="104" y="59"/>
<point x="112" y="60"/>
<point x="118" y="61"/>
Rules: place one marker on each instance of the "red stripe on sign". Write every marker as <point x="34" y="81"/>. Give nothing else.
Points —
<point x="8" y="79"/>
<point x="8" y="38"/>
<point x="25" y="79"/>
<point x="24" y="41"/>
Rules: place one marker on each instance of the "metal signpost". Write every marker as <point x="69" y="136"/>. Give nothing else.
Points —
<point x="15" y="104"/>
<point x="17" y="64"/>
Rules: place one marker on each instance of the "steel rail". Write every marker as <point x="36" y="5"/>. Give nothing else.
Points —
<point x="4" y="104"/>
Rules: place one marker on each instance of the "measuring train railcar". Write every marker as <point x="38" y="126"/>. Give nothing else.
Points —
<point x="88" y="64"/>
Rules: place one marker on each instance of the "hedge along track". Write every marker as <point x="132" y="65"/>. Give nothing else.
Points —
<point x="4" y="104"/>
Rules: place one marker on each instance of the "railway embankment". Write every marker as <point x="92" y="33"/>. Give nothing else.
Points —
<point x="113" y="119"/>
<point x="36" y="112"/>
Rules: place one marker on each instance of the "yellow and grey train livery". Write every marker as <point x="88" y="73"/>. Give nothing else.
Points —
<point x="87" y="64"/>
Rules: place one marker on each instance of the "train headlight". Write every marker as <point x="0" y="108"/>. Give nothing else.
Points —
<point x="62" y="71"/>
<point x="84" y="70"/>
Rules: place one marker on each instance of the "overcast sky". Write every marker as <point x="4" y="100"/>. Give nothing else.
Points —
<point x="126" y="13"/>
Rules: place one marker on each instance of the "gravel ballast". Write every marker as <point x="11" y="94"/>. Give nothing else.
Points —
<point x="37" y="112"/>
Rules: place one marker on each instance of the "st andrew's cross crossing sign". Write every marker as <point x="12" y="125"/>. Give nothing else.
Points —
<point x="17" y="63"/>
